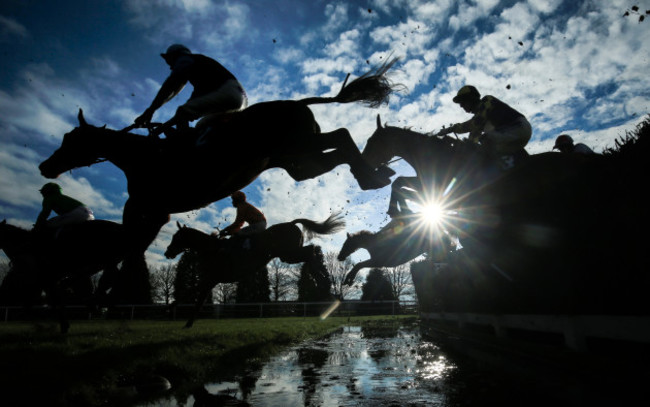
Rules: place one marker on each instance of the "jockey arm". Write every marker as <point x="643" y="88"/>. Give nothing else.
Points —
<point x="235" y="226"/>
<point x="172" y="86"/>
<point x="473" y="126"/>
<point x="246" y="213"/>
<point x="45" y="213"/>
<point x="232" y="229"/>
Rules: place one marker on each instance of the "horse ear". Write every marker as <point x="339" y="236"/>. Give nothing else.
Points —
<point x="82" y="120"/>
<point x="178" y="224"/>
<point x="4" y="221"/>
<point x="378" y="121"/>
<point x="347" y="234"/>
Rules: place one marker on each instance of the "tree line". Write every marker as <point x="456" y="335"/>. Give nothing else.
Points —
<point x="277" y="281"/>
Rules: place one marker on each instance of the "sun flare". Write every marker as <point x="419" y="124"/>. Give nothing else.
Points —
<point x="432" y="214"/>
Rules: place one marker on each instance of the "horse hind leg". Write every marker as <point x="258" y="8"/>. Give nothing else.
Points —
<point x="315" y="160"/>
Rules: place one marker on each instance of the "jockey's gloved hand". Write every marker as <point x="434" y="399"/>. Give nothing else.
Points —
<point x="144" y="118"/>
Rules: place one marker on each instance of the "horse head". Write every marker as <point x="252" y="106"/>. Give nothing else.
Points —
<point x="378" y="149"/>
<point x="77" y="150"/>
<point x="179" y="242"/>
<point x="350" y="245"/>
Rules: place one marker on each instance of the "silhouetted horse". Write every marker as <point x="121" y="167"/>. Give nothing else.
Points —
<point x="549" y="225"/>
<point x="277" y="134"/>
<point x="394" y="247"/>
<point x="41" y="263"/>
<point x="439" y="163"/>
<point x="225" y="261"/>
<point x="464" y="178"/>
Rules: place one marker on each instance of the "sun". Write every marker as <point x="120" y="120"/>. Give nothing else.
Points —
<point x="432" y="213"/>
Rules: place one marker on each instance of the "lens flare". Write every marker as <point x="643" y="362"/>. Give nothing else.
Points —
<point x="432" y="213"/>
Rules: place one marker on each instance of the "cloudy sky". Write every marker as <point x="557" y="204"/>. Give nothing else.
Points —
<point x="576" y="67"/>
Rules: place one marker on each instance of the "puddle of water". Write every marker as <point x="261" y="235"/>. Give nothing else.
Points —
<point x="350" y="368"/>
<point x="396" y="368"/>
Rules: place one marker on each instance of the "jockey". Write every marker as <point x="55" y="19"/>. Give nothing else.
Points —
<point x="564" y="143"/>
<point x="496" y="125"/>
<point x="69" y="210"/>
<point x="216" y="90"/>
<point x="246" y="213"/>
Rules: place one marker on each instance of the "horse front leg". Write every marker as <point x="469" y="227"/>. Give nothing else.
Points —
<point x="403" y="188"/>
<point x="203" y="294"/>
<point x="55" y="297"/>
<point x="352" y="274"/>
<point x="140" y="229"/>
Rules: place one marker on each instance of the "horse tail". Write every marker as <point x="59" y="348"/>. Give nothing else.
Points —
<point x="330" y="225"/>
<point x="371" y="88"/>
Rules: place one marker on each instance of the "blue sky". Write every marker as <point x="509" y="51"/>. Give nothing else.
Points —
<point x="576" y="67"/>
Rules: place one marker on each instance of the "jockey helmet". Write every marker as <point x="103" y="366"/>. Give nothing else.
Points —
<point x="467" y="92"/>
<point x="238" y="196"/>
<point x="563" y="140"/>
<point x="50" y="188"/>
<point x="175" y="50"/>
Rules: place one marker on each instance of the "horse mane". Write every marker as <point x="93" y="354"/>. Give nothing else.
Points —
<point x="447" y="140"/>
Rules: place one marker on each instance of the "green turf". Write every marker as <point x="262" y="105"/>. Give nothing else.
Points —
<point x="97" y="362"/>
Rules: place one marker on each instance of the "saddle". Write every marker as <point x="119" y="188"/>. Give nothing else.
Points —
<point x="193" y="137"/>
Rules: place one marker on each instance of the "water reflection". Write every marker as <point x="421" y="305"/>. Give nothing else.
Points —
<point x="396" y="367"/>
<point x="353" y="367"/>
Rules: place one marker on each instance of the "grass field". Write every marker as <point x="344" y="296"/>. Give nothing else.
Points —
<point x="98" y="361"/>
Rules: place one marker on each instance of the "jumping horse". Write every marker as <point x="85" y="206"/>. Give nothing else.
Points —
<point x="552" y="223"/>
<point x="393" y="246"/>
<point x="56" y="265"/>
<point x="226" y="261"/>
<point x="276" y="134"/>
<point x="464" y="178"/>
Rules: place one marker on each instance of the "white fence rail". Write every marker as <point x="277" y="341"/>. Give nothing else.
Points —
<point x="245" y="310"/>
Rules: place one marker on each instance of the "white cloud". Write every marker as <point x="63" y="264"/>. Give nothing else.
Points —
<point x="544" y="6"/>
<point x="347" y="44"/>
<point x="10" y="29"/>
<point x="337" y="18"/>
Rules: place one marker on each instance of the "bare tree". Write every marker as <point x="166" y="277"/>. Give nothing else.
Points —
<point x="338" y="270"/>
<point x="4" y="268"/>
<point x="400" y="280"/>
<point x="224" y="293"/>
<point x="283" y="278"/>
<point x="162" y="283"/>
